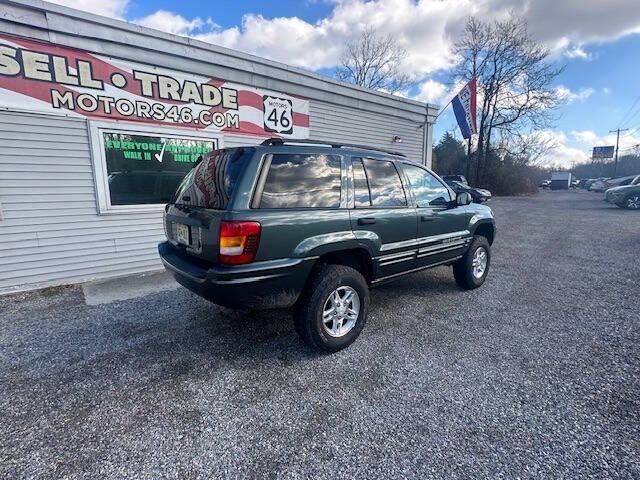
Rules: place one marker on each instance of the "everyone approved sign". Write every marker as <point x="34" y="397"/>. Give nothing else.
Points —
<point x="43" y="77"/>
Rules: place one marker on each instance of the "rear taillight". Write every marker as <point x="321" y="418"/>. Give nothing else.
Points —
<point x="238" y="242"/>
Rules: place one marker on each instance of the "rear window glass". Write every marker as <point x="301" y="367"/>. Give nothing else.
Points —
<point x="302" y="181"/>
<point x="211" y="183"/>
<point x="384" y="184"/>
<point x="360" y="185"/>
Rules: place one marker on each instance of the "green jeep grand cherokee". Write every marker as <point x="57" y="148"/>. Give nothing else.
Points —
<point x="314" y="225"/>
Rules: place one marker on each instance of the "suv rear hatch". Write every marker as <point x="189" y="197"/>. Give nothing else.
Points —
<point x="192" y="219"/>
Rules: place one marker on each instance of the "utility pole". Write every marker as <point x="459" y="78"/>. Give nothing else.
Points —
<point x="615" y="165"/>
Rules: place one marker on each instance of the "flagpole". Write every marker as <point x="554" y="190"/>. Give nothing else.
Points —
<point x="444" y="108"/>
<point x="468" y="157"/>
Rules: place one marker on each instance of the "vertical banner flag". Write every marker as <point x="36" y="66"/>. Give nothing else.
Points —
<point x="464" y="106"/>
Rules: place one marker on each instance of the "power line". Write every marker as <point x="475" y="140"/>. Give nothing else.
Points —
<point x="630" y="119"/>
<point x="631" y="133"/>
<point x="632" y="147"/>
<point x="624" y="118"/>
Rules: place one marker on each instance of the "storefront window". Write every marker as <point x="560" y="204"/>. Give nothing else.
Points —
<point x="147" y="169"/>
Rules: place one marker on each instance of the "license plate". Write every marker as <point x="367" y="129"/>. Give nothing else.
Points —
<point x="183" y="234"/>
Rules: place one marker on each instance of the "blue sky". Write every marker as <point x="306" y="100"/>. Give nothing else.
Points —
<point x="597" y="40"/>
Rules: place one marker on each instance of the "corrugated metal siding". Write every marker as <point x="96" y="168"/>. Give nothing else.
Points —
<point x="51" y="232"/>
<point x="332" y="122"/>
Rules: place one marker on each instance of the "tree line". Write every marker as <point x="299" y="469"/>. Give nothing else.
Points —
<point x="510" y="174"/>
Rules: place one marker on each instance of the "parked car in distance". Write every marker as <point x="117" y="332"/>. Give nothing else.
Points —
<point x="478" y="195"/>
<point x="545" y="184"/>
<point x="598" y="185"/>
<point x="455" y="178"/>
<point x="618" y="195"/>
<point x="627" y="196"/>
<point x="619" y="181"/>
<point x="314" y="226"/>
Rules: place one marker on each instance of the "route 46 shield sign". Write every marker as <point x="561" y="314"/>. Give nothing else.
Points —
<point x="278" y="115"/>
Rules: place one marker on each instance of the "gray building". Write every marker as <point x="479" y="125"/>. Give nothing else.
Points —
<point x="100" y="119"/>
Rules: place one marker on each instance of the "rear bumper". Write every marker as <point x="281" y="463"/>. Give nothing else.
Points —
<point x="260" y="285"/>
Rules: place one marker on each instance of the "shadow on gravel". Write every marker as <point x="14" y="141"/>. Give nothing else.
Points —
<point x="436" y="281"/>
<point x="209" y="333"/>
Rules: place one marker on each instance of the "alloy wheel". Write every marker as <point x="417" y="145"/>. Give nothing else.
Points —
<point x="479" y="262"/>
<point x="341" y="311"/>
<point x="633" y="202"/>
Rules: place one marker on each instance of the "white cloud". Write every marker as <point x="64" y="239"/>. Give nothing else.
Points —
<point x="287" y="39"/>
<point x="569" y="96"/>
<point x="576" y="147"/>
<point x="176" y="24"/>
<point x="432" y="91"/>
<point x="421" y="28"/>
<point x="579" y="22"/>
<point x="586" y="137"/>
<point x="426" y="28"/>
<point x="107" y="8"/>
<point x="561" y="154"/>
<point x="589" y="139"/>
<point x="577" y="52"/>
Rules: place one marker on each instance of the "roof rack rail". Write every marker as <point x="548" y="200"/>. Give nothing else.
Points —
<point x="282" y="141"/>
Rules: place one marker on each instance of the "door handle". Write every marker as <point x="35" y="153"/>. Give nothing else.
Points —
<point x="366" y="221"/>
<point x="427" y="218"/>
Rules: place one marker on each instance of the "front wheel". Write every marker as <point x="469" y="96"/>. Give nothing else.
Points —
<point x="471" y="270"/>
<point x="333" y="310"/>
<point x="632" y="202"/>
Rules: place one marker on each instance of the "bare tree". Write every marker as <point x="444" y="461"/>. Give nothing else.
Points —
<point x="374" y="61"/>
<point x="515" y="82"/>
<point x="528" y="148"/>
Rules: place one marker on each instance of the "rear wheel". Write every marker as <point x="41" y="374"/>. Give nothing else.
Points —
<point x="333" y="309"/>
<point x="471" y="270"/>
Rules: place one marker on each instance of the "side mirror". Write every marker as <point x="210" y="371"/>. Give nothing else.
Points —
<point x="462" y="199"/>
<point x="438" y="202"/>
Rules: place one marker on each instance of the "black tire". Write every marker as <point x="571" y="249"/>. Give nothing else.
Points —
<point x="631" y="202"/>
<point x="308" y="312"/>
<point x="463" y="268"/>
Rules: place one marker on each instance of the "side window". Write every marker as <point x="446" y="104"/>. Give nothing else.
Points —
<point x="384" y="183"/>
<point x="360" y="184"/>
<point x="427" y="189"/>
<point x="302" y="181"/>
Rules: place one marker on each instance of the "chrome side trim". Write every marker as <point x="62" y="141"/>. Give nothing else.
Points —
<point x="444" y="236"/>
<point x="404" y="259"/>
<point x="441" y="250"/>
<point x="397" y="245"/>
<point x="443" y="246"/>
<point x="391" y="256"/>
<point x="423" y="240"/>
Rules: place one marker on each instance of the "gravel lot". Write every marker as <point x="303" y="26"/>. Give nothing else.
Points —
<point x="537" y="374"/>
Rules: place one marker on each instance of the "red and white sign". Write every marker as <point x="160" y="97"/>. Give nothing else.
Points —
<point x="43" y="77"/>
